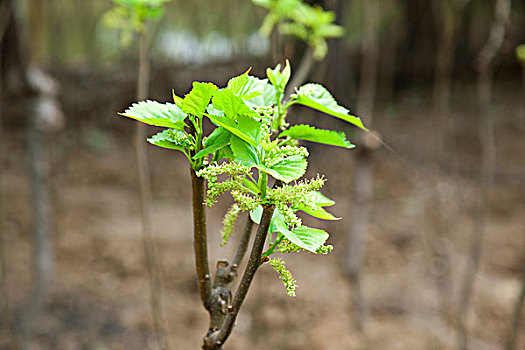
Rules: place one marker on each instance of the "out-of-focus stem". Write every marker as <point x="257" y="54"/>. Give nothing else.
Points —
<point x="146" y="201"/>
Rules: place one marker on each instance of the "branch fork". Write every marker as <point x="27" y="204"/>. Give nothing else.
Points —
<point x="217" y="298"/>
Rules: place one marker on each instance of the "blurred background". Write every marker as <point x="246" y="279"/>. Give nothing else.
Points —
<point x="430" y="253"/>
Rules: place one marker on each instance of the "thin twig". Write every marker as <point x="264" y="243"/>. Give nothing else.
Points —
<point x="243" y="243"/>
<point x="215" y="340"/>
<point x="226" y="273"/>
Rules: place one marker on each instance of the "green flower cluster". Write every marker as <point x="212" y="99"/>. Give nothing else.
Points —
<point x="289" y="197"/>
<point x="285" y="275"/>
<point x="288" y="247"/>
<point x="325" y="249"/>
<point x="229" y="222"/>
<point x="245" y="200"/>
<point x="280" y="153"/>
<point x="236" y="173"/>
<point x="285" y="246"/>
<point x="181" y="139"/>
<point x="266" y="114"/>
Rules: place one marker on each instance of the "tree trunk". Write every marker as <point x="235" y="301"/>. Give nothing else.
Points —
<point x="45" y="119"/>
<point x="339" y="67"/>
<point x="361" y="205"/>
<point x="488" y="159"/>
<point x="448" y="14"/>
<point x="5" y="314"/>
<point x="363" y="181"/>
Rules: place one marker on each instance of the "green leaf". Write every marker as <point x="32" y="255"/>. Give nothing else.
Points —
<point x="236" y="84"/>
<point x="285" y="75"/>
<point x="236" y="129"/>
<point x="176" y="99"/>
<point x="317" y="212"/>
<point x="272" y="74"/>
<point x="197" y="100"/>
<point x="310" y="133"/>
<point x="244" y="152"/>
<point x="305" y="237"/>
<point x="251" y="186"/>
<point x="159" y="114"/>
<point x="232" y="105"/>
<point x="216" y="136"/>
<point x="320" y="199"/>
<point x="317" y="97"/>
<point x="277" y="78"/>
<point x="255" y="92"/>
<point x="219" y="138"/>
<point x="171" y="139"/>
<point x="267" y="93"/>
<point x="256" y="215"/>
<point x="287" y="169"/>
<point x="225" y="152"/>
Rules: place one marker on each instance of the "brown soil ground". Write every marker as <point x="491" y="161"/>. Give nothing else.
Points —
<point x="100" y="295"/>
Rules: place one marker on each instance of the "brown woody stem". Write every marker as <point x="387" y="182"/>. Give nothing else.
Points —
<point x="215" y="340"/>
<point x="200" y="243"/>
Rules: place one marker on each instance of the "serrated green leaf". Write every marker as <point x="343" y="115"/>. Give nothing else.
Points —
<point x="150" y="112"/>
<point x="232" y="105"/>
<point x="287" y="169"/>
<point x="257" y="92"/>
<point x="264" y="93"/>
<point x="320" y="199"/>
<point x="244" y="152"/>
<point x="219" y="138"/>
<point x="317" y="212"/>
<point x="197" y="100"/>
<point x="171" y="139"/>
<point x="236" y="84"/>
<point x="234" y="128"/>
<point x="317" y="97"/>
<point x="250" y="127"/>
<point x="310" y="133"/>
<point x="305" y="237"/>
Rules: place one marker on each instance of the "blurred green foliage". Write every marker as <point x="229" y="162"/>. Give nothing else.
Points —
<point x="129" y="16"/>
<point x="520" y="53"/>
<point x="310" y="24"/>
